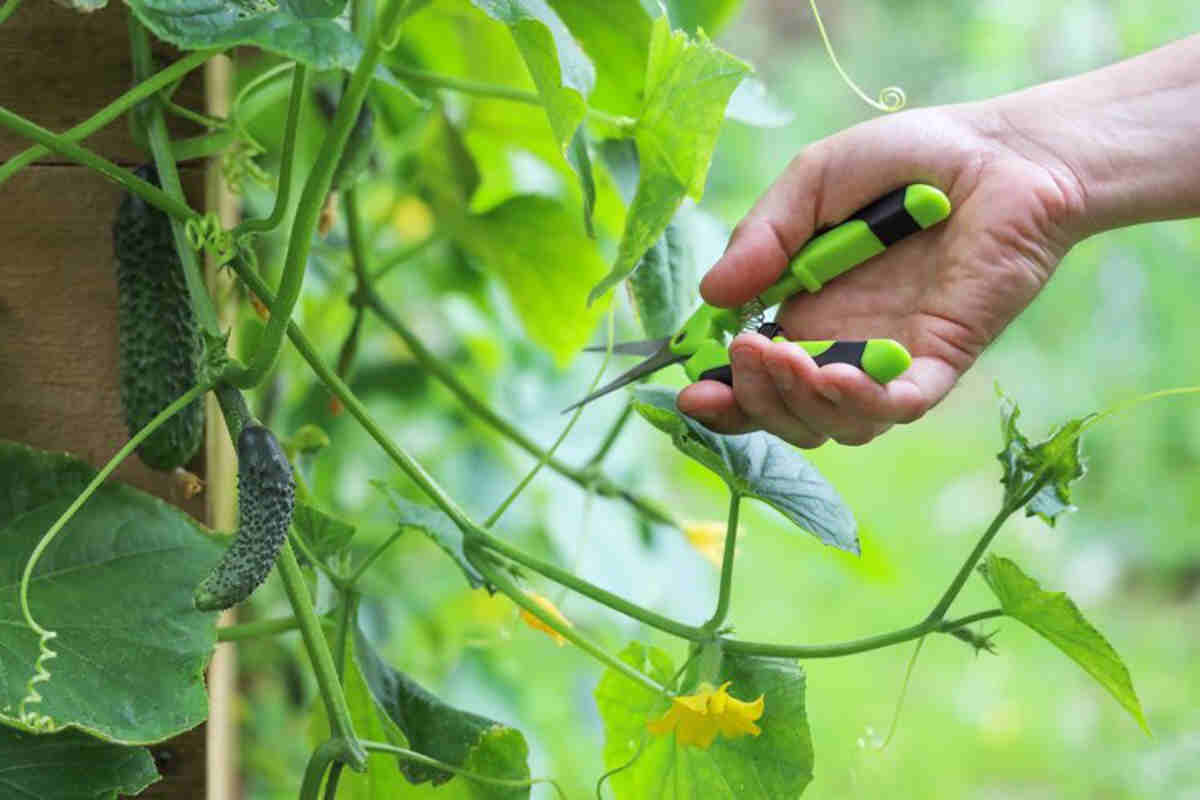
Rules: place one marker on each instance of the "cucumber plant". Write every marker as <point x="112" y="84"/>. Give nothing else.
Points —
<point x="618" y="114"/>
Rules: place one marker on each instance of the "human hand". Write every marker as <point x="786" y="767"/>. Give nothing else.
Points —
<point x="945" y="293"/>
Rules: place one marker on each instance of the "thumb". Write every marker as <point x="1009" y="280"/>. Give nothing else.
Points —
<point x="825" y="184"/>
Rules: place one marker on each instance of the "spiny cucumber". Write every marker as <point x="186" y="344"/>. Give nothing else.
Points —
<point x="266" y="497"/>
<point x="160" y="343"/>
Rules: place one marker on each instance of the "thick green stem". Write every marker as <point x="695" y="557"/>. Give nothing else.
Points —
<point x="502" y="581"/>
<point x="81" y="155"/>
<point x="256" y="629"/>
<point x="110" y="112"/>
<point x="586" y="477"/>
<point x="286" y="159"/>
<point x="330" y="751"/>
<point x="602" y="596"/>
<point x="829" y="650"/>
<point x="312" y="197"/>
<point x="434" y="492"/>
<point x="318" y="653"/>
<point x="168" y="176"/>
<point x="203" y="146"/>
<point x="347" y="618"/>
<point x="723" y="595"/>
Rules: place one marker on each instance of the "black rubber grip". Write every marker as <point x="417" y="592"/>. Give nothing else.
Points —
<point x="888" y="218"/>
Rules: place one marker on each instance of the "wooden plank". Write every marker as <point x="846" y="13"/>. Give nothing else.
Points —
<point x="58" y="67"/>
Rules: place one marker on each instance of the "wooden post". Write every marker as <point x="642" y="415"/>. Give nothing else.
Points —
<point x="58" y="301"/>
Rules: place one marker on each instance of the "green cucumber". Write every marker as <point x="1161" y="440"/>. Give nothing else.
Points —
<point x="266" y="498"/>
<point x="160" y="343"/>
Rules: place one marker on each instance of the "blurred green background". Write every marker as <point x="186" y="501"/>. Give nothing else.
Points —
<point x="1118" y="319"/>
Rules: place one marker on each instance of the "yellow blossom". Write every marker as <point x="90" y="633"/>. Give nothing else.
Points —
<point x="698" y="718"/>
<point x="551" y="609"/>
<point x="708" y="538"/>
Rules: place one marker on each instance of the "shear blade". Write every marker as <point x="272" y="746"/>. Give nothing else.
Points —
<point x="663" y="357"/>
<point x="645" y="347"/>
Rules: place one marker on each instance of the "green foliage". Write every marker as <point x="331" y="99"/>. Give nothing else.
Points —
<point x="438" y="527"/>
<point x="616" y="37"/>
<point x="71" y="766"/>
<point x="266" y="498"/>
<point x="325" y="535"/>
<point x="160" y="343"/>
<point x="546" y="262"/>
<point x="756" y="465"/>
<point x="450" y="735"/>
<point x="1056" y="617"/>
<point x="301" y="30"/>
<point x="776" y="763"/>
<point x="1055" y="461"/>
<point x="116" y="586"/>
<point x="688" y="83"/>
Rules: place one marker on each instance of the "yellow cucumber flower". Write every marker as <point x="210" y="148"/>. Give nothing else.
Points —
<point x="549" y="607"/>
<point x="707" y="538"/>
<point x="697" y="718"/>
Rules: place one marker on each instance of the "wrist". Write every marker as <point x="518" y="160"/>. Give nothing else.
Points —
<point x="1122" y="141"/>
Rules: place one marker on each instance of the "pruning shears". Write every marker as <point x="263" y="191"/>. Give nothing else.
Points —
<point x="700" y="344"/>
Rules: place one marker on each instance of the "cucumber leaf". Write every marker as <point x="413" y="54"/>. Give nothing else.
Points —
<point x="615" y="35"/>
<point x="325" y="535"/>
<point x="688" y="83"/>
<point x="757" y="465"/>
<point x="1057" y="458"/>
<point x="116" y="585"/>
<point x="297" y="29"/>
<point x="450" y="735"/>
<point x="1056" y="617"/>
<point x="776" y="763"/>
<point x="71" y="766"/>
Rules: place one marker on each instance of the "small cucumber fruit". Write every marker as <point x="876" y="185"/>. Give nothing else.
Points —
<point x="160" y="343"/>
<point x="266" y="497"/>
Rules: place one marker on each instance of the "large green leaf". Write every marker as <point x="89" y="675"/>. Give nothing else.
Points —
<point x="688" y="83"/>
<point x="545" y="259"/>
<point x="437" y="526"/>
<point x="664" y="285"/>
<point x="116" y="585"/>
<point x="616" y="36"/>
<point x="753" y="104"/>
<point x="1057" y="459"/>
<point x="775" y="764"/>
<point x="450" y="735"/>
<point x="1056" y="617"/>
<point x="562" y="73"/>
<point x="758" y="465"/>
<point x="300" y="29"/>
<point x="70" y="766"/>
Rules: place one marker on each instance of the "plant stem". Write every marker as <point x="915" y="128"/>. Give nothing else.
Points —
<point x="338" y="388"/>
<point x="587" y="477"/>
<point x="731" y="527"/>
<point x="369" y="560"/>
<point x="329" y="751"/>
<point x="202" y="146"/>
<point x="347" y="616"/>
<point x="501" y="580"/>
<point x="168" y="176"/>
<point x="420" y="758"/>
<point x="81" y="155"/>
<point x="476" y="88"/>
<point x="111" y="111"/>
<point x="331" y="785"/>
<point x="256" y="629"/>
<point x="951" y="625"/>
<point x="286" y="159"/>
<point x="318" y="653"/>
<point x="434" y="492"/>
<point x="610" y="438"/>
<point x="307" y="552"/>
<point x="405" y="254"/>
<point x="829" y="650"/>
<point x="312" y="197"/>
<point x="602" y="596"/>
